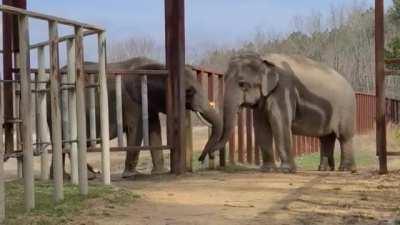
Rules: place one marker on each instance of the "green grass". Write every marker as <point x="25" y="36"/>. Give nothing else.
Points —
<point x="49" y="213"/>
<point x="311" y="161"/>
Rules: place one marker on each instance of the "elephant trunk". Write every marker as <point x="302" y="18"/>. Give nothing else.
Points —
<point x="212" y="117"/>
<point x="231" y="106"/>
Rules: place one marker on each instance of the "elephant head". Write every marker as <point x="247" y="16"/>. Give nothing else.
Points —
<point x="248" y="79"/>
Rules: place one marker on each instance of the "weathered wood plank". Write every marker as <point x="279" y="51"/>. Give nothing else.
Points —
<point x="80" y="112"/>
<point x="42" y="114"/>
<point x="72" y="110"/>
<point x="56" y="131"/>
<point x="118" y="105"/>
<point x="26" y="128"/>
<point x="104" y="121"/>
<point x="41" y="16"/>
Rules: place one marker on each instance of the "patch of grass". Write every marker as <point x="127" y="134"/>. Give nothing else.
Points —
<point x="363" y="158"/>
<point x="49" y="213"/>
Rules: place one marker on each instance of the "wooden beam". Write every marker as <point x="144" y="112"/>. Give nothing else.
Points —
<point x="175" y="58"/>
<point x="61" y="39"/>
<point x="80" y="112"/>
<point x="92" y="111"/>
<point x="41" y="16"/>
<point x="26" y="113"/>
<point x="71" y="57"/>
<point x="56" y="131"/>
<point x="42" y="114"/>
<point x="104" y="121"/>
<point x="2" y="151"/>
<point x="118" y="106"/>
<point x="380" y="87"/>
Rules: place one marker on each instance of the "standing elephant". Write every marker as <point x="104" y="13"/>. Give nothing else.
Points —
<point x="196" y="100"/>
<point x="290" y="95"/>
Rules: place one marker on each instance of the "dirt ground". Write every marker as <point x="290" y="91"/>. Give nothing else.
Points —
<point x="251" y="197"/>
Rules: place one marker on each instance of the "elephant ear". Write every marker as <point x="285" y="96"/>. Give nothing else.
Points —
<point x="270" y="79"/>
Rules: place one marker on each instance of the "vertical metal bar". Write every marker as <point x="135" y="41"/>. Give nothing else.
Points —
<point x="118" y="105"/>
<point x="81" y="112"/>
<point x="104" y="121"/>
<point x="249" y="135"/>
<point x="72" y="110"/>
<point x="66" y="132"/>
<point x="26" y="112"/>
<point x="42" y="115"/>
<point x="55" y="78"/>
<point x="175" y="52"/>
<point x="241" y="136"/>
<point x="380" y="86"/>
<point x="17" y="114"/>
<point x="92" y="111"/>
<point x="145" y="111"/>
<point x="222" y="152"/>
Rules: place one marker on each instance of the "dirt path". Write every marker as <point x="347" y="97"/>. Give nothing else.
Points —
<point x="255" y="198"/>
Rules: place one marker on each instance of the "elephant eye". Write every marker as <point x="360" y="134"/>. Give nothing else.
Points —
<point x="244" y="85"/>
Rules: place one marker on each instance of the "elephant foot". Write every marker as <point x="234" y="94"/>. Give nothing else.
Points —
<point x="66" y="176"/>
<point x="129" y="173"/>
<point x="348" y="167"/>
<point x="269" y="168"/>
<point x="158" y="171"/>
<point x="92" y="175"/>
<point x="325" y="168"/>
<point x="288" y="168"/>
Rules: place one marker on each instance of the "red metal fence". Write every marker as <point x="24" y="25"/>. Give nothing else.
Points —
<point x="241" y="147"/>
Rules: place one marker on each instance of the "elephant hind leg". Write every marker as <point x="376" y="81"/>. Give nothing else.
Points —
<point x="157" y="156"/>
<point x="347" y="162"/>
<point x="327" y="160"/>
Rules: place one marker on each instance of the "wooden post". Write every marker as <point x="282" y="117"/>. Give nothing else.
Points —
<point x="249" y="135"/>
<point x="380" y="87"/>
<point x="42" y="115"/>
<point x="189" y="141"/>
<point x="222" y="152"/>
<point x="175" y="52"/>
<point x="145" y="111"/>
<point x="55" y="78"/>
<point x="232" y="148"/>
<point x="2" y="150"/>
<point x="241" y="136"/>
<point x="211" y="98"/>
<point x="72" y="110"/>
<point x="104" y="121"/>
<point x="66" y="132"/>
<point x="9" y="30"/>
<point x="92" y="111"/>
<point x="26" y="113"/>
<point x="81" y="112"/>
<point x="118" y="105"/>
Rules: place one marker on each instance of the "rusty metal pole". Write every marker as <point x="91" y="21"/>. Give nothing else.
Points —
<point x="380" y="87"/>
<point x="222" y="152"/>
<point x="175" y="58"/>
<point x="211" y="99"/>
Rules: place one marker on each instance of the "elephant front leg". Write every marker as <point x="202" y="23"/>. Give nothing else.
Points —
<point x="134" y="136"/>
<point x="282" y="133"/>
<point x="263" y="136"/>
<point x="157" y="156"/>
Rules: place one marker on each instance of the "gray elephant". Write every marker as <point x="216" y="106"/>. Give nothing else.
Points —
<point x="290" y="94"/>
<point x="196" y="100"/>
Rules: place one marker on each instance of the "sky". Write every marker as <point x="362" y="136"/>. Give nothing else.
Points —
<point x="218" y="22"/>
